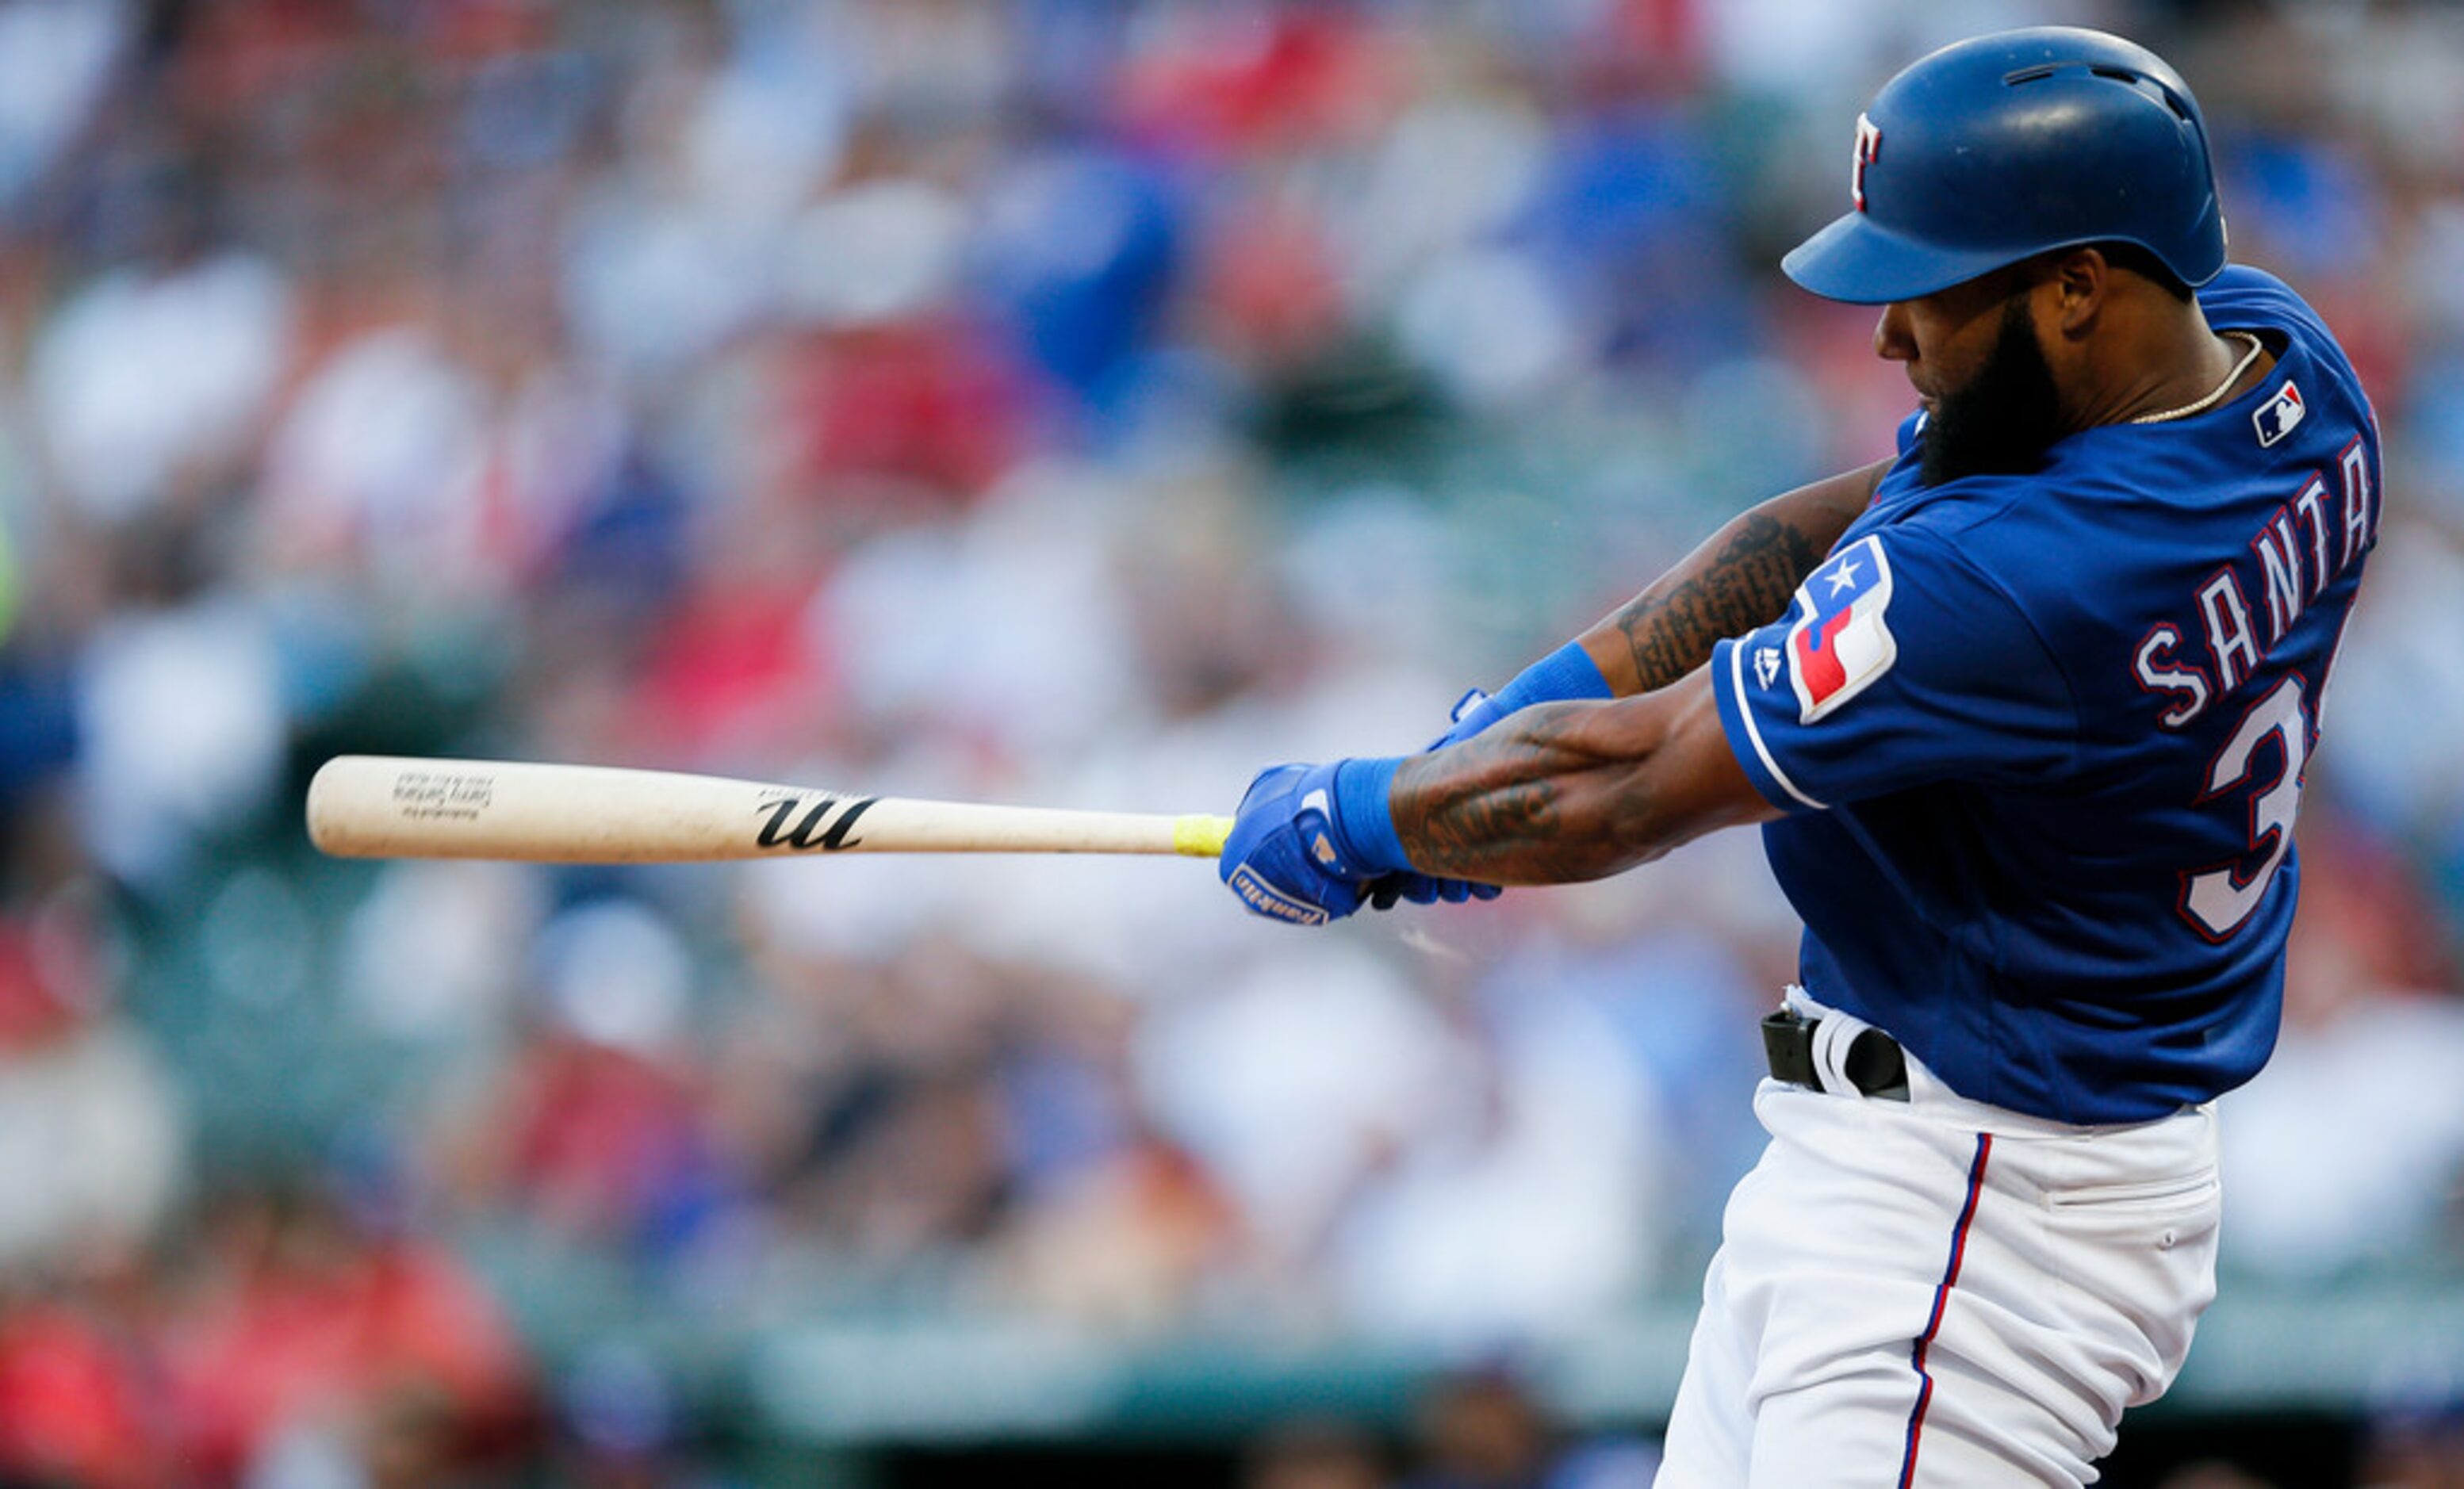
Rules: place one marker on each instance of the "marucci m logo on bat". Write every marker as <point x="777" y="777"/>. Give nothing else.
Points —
<point x="810" y="835"/>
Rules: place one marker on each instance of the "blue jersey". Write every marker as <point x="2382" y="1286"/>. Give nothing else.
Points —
<point x="2041" y="738"/>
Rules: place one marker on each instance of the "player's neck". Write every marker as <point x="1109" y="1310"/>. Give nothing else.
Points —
<point x="2168" y="364"/>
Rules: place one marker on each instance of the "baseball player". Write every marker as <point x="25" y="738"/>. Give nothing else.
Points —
<point x="2024" y="712"/>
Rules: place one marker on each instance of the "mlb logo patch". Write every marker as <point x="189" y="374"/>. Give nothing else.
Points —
<point x="2277" y="417"/>
<point x="1841" y="641"/>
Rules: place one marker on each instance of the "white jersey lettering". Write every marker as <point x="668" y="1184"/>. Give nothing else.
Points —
<point x="2159" y="672"/>
<point x="2358" y="524"/>
<point x="2230" y="642"/>
<point x="2279" y="563"/>
<point x="2294" y="569"/>
<point x="2312" y="505"/>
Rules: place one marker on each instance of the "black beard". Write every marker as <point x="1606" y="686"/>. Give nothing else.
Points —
<point x="2005" y="419"/>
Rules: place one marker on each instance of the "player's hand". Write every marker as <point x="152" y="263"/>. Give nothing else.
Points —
<point x="1474" y="711"/>
<point x="1285" y="857"/>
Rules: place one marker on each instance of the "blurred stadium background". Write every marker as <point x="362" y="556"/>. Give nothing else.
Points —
<point x="1053" y="401"/>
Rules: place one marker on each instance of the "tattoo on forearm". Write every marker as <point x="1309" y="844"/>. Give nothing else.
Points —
<point x="1747" y="583"/>
<point x="1481" y="828"/>
<point x="1480" y="819"/>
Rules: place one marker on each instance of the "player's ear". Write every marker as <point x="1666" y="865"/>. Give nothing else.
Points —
<point x="2079" y="280"/>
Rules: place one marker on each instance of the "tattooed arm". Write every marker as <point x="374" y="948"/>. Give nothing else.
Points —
<point x="1567" y="791"/>
<point x="1558" y="791"/>
<point x="1531" y="788"/>
<point x="1742" y="577"/>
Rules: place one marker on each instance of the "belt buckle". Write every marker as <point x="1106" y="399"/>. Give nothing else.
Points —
<point x="1874" y="1063"/>
<point x="1788" y="1043"/>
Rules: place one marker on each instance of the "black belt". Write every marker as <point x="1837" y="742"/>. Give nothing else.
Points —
<point x="1875" y="1064"/>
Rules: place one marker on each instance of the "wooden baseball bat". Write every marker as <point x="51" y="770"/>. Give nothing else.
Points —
<point x="392" y="806"/>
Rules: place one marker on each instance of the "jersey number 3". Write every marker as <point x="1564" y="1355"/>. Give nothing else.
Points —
<point x="2217" y="900"/>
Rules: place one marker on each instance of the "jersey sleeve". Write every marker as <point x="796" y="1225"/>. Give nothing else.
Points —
<point x="1899" y="663"/>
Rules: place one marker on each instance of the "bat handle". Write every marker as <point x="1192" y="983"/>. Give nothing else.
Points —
<point x="1199" y="835"/>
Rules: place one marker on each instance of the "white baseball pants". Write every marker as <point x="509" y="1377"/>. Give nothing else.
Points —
<point x="1939" y="1293"/>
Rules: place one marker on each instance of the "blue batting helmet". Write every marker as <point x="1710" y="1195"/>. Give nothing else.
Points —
<point x="2001" y="146"/>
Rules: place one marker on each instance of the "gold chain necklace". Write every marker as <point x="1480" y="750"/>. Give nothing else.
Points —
<point x="2216" y="392"/>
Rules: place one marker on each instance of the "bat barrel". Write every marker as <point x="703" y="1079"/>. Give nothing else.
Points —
<point x="380" y="806"/>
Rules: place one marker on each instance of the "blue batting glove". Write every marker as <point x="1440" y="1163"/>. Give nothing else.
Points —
<point x="1308" y="840"/>
<point x="1565" y="674"/>
<point x="1473" y="712"/>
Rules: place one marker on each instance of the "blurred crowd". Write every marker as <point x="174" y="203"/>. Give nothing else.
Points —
<point x="1065" y="401"/>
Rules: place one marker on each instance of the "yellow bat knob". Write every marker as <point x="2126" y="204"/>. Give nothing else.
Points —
<point x="1199" y="835"/>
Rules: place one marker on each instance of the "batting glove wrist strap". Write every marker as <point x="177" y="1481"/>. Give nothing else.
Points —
<point x="1364" y="819"/>
<point x="1564" y="675"/>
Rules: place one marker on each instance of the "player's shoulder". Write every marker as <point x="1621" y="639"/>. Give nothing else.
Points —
<point x="2022" y="541"/>
<point x="1952" y="510"/>
<point x="1961" y="535"/>
<point x="2243" y="297"/>
<point x="2246" y="285"/>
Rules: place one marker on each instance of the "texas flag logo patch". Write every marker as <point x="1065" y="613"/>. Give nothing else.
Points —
<point x="2277" y="417"/>
<point x="1841" y="641"/>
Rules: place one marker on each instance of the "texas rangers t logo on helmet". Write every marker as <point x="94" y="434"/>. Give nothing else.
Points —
<point x="1869" y="149"/>
<point x="1842" y="643"/>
